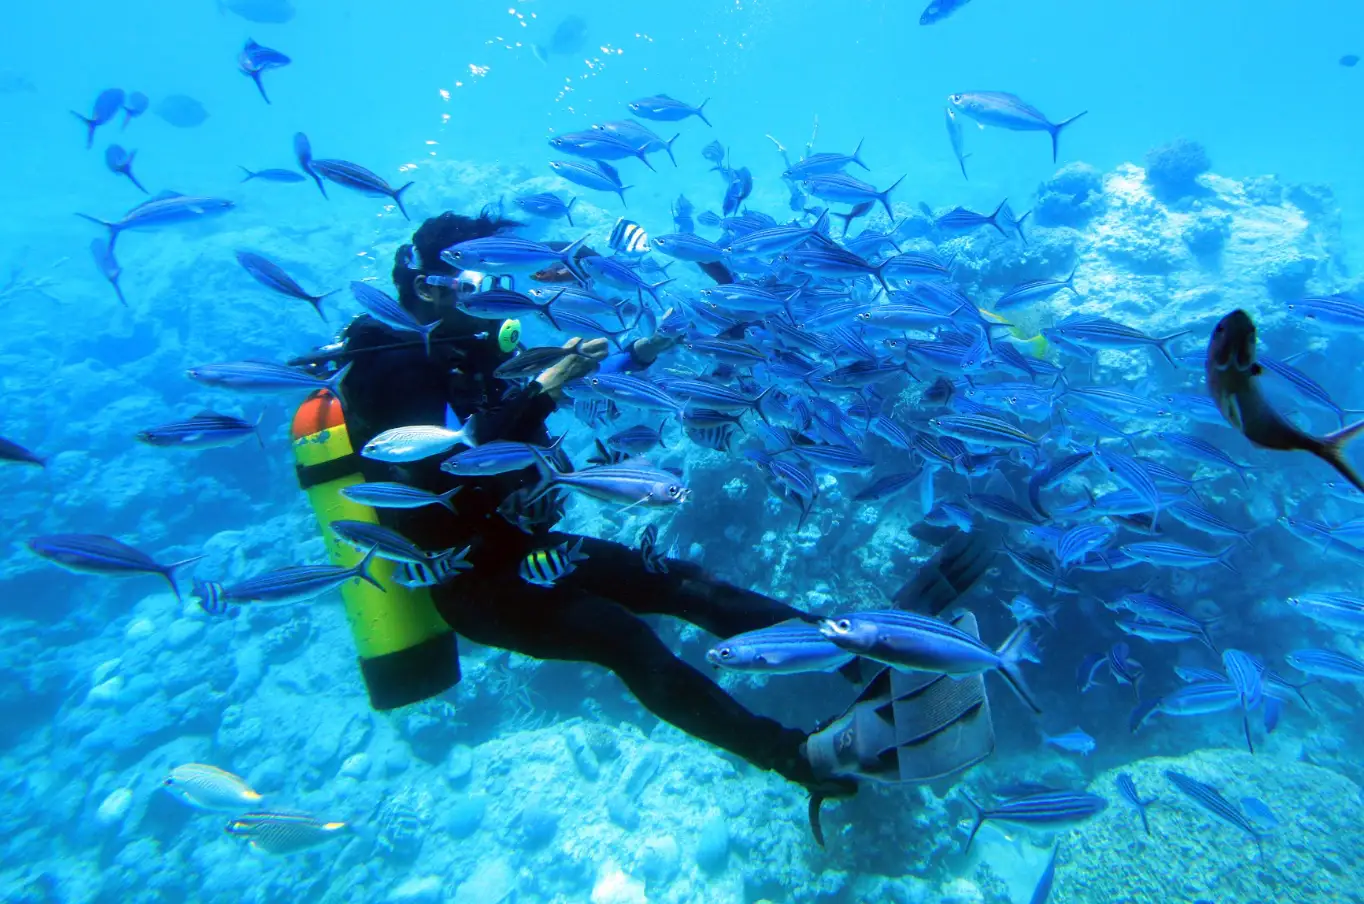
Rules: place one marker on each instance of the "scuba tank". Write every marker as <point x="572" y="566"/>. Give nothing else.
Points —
<point x="407" y="653"/>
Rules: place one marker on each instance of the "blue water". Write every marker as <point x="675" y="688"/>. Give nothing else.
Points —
<point x="107" y="685"/>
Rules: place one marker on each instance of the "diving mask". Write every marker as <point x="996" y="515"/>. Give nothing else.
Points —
<point x="467" y="283"/>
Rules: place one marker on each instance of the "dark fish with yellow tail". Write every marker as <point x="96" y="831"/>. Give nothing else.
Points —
<point x="1232" y="370"/>
<point x="284" y="833"/>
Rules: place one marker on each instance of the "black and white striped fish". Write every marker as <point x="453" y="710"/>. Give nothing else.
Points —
<point x="629" y="239"/>
<point x="655" y="562"/>
<point x="433" y="572"/>
<point x="545" y="566"/>
<point x="213" y="600"/>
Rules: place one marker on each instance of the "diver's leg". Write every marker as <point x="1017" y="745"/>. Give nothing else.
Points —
<point x="949" y="574"/>
<point x="686" y="591"/>
<point x="571" y="624"/>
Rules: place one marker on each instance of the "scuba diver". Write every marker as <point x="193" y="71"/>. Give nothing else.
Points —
<point x="592" y="614"/>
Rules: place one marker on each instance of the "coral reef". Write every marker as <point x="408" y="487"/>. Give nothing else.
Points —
<point x="1172" y="170"/>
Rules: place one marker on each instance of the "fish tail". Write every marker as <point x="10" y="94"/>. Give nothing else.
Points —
<point x="426" y="332"/>
<point x="993" y="219"/>
<point x="444" y="498"/>
<point x="668" y="146"/>
<point x="978" y="819"/>
<point x="701" y="112"/>
<point x="1245" y="725"/>
<point x="1144" y="710"/>
<point x="568" y="208"/>
<point x="1163" y="344"/>
<point x="168" y="572"/>
<point x="464" y="429"/>
<point x="260" y="86"/>
<point x="857" y="155"/>
<point x="661" y="424"/>
<point x="620" y="190"/>
<point x="249" y="175"/>
<point x="333" y="383"/>
<point x="1332" y="451"/>
<point x="1055" y="130"/>
<point x="1070" y="280"/>
<point x="1141" y="808"/>
<point x="568" y="256"/>
<point x="1224" y="555"/>
<point x="758" y="405"/>
<point x="112" y="227"/>
<point x="884" y="198"/>
<point x="961" y="162"/>
<point x="90" y="126"/>
<point x="398" y="199"/>
<point x="549" y="315"/>
<point x="1015" y="649"/>
<point x="548" y="477"/>
<point x="361" y="570"/>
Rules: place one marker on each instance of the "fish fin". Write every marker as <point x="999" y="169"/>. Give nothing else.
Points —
<point x="333" y="383"/>
<point x="398" y="199"/>
<point x="857" y="155"/>
<point x="1161" y="344"/>
<point x="1055" y="130"/>
<point x="168" y="572"/>
<point x="1143" y="711"/>
<point x="993" y="219"/>
<point x="570" y="263"/>
<point x="465" y="429"/>
<point x="977" y="819"/>
<point x="548" y="474"/>
<point x="1332" y="451"/>
<point x="884" y="198"/>
<point x="444" y="498"/>
<point x="701" y="114"/>
<point x="1015" y="649"/>
<point x="362" y="568"/>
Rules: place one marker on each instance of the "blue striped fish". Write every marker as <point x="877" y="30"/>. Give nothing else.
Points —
<point x="1210" y="799"/>
<point x="1047" y="810"/>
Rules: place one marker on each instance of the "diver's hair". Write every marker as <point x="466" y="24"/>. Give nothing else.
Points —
<point x="422" y="256"/>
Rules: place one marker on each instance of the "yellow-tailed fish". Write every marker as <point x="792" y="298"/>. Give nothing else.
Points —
<point x="1033" y="345"/>
<point x="284" y="833"/>
<point x="210" y="788"/>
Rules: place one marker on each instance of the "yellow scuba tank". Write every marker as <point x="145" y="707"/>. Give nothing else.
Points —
<point x="407" y="652"/>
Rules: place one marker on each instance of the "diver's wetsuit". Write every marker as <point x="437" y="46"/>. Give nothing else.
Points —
<point x="588" y="616"/>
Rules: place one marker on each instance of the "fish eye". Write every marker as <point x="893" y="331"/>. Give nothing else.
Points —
<point x="726" y="653"/>
<point x="674" y="491"/>
<point x="844" y="624"/>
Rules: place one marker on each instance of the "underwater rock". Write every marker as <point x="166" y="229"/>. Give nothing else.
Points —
<point x="641" y="771"/>
<point x="601" y="739"/>
<point x="583" y="756"/>
<point x="659" y="860"/>
<point x="535" y="824"/>
<point x="1190" y="855"/>
<point x="1172" y="170"/>
<point x="615" y="887"/>
<point x="493" y="881"/>
<point x="1287" y="280"/>
<point x="355" y="766"/>
<point x="282" y="642"/>
<point x="418" y="890"/>
<point x="712" y="845"/>
<point x="1072" y="197"/>
<point x="336" y="737"/>
<point x="459" y="764"/>
<point x="1207" y="235"/>
<point x="114" y="807"/>
<point x="430" y="728"/>
<point x="181" y="633"/>
<point x="622" y="810"/>
<point x="464" y="815"/>
<point x="400" y="820"/>
<point x="236" y="730"/>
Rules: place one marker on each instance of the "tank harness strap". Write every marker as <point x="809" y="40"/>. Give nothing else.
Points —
<point x="322" y="472"/>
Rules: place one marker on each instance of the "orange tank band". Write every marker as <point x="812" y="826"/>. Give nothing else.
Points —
<point x="321" y="411"/>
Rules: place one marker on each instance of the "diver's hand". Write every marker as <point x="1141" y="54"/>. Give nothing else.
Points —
<point x="577" y="365"/>
<point x="646" y="351"/>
